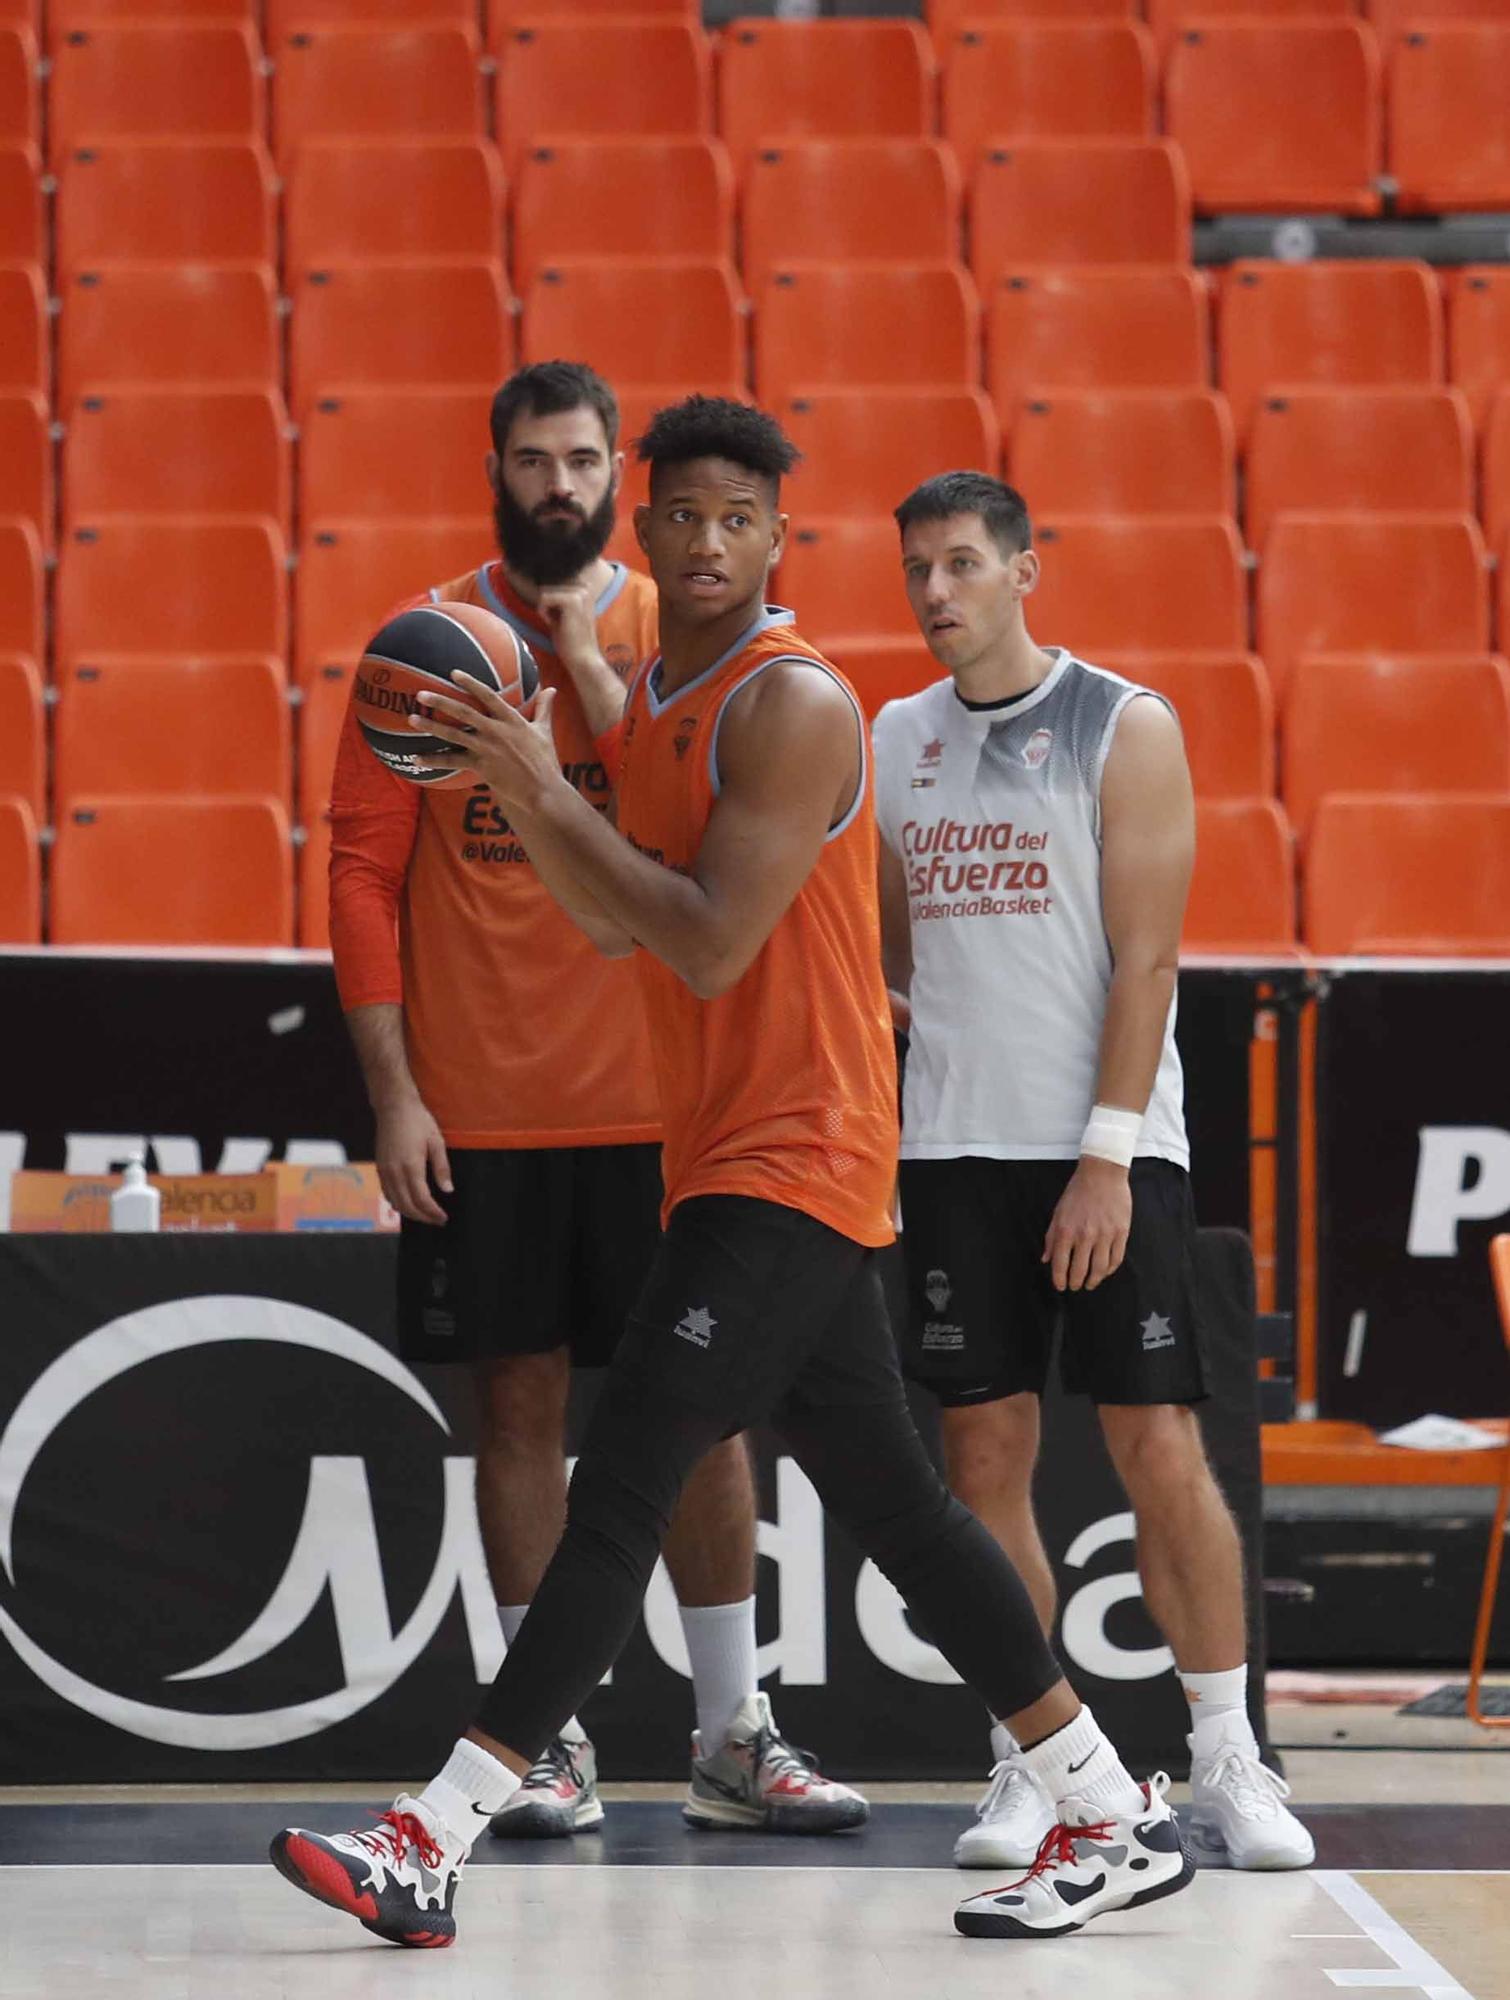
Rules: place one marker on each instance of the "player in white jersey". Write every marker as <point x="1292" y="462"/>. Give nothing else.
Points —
<point x="1037" y="836"/>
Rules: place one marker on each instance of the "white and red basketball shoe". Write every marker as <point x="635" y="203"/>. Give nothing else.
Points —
<point x="559" y="1797"/>
<point x="397" y="1878"/>
<point x="756" y="1780"/>
<point x="1087" y="1865"/>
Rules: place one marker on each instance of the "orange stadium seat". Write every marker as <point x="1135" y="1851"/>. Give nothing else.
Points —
<point x="353" y="573"/>
<point x="1277" y="115"/>
<point x="21" y="560"/>
<point x="1392" y="18"/>
<point x="65" y="16"/>
<point x="314" y="885"/>
<point x="882" y="670"/>
<point x="1048" y="79"/>
<point x="321" y="712"/>
<point x="844" y="575"/>
<point x="404" y="325"/>
<point x="23" y="207"/>
<point x="128" y="726"/>
<point x="944" y="16"/>
<point x="849" y="201"/>
<point x="26" y="462"/>
<point x="20" y="87"/>
<point x="1449" y="133"/>
<point x="1373" y="450"/>
<point x="1166" y="17"/>
<point x="1382" y="723"/>
<point x="1242" y="895"/>
<point x="388" y="453"/>
<point x="1125" y="451"/>
<point x="167" y="323"/>
<point x="348" y="200"/>
<point x="641" y="320"/>
<point x="1336" y="583"/>
<point x="841" y="326"/>
<point x="1496" y="478"/>
<point x="1226" y="711"/>
<point x="851" y="79"/>
<point x="1396" y="875"/>
<point x="1108" y="585"/>
<point x="180" y="201"/>
<point x="20" y="874"/>
<point x="504" y="14"/>
<point x="24" y="343"/>
<point x="1366" y="323"/>
<point x="178" y="451"/>
<point x="23" y="733"/>
<point x="621" y="79"/>
<point x="173" y="871"/>
<point x="1502" y="592"/>
<point x="1078" y="201"/>
<point x="136" y="585"/>
<point x="1094" y="326"/>
<point x="376" y="83"/>
<point x="287" y="17"/>
<point x="863" y="450"/>
<point x="579" y="198"/>
<point x="155" y="80"/>
<point x="1479" y="333"/>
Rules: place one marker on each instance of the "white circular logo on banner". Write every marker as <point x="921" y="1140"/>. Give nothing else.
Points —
<point x="335" y="1550"/>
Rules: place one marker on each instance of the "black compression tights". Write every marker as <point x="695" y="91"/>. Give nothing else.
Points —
<point x="873" y="1476"/>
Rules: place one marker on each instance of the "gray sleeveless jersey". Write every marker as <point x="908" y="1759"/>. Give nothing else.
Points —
<point x="995" y="817"/>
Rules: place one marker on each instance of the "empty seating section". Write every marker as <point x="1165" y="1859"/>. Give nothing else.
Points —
<point x="1124" y="451"/>
<point x="174" y="201"/>
<point x="848" y="201"/>
<point x="1048" y="79"/>
<point x="823" y="80"/>
<point x="1428" y="874"/>
<point x="1079" y="201"/>
<point x="263" y="266"/>
<point x="579" y="198"/>
<point x="348" y="200"/>
<point x="1367" y="324"/>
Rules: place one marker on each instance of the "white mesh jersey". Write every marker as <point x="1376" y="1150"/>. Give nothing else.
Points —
<point x="995" y="816"/>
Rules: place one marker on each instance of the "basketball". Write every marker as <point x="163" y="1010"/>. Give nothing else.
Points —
<point x="421" y="649"/>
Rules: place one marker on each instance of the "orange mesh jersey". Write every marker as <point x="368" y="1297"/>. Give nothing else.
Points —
<point x="519" y="1032"/>
<point x="784" y="1087"/>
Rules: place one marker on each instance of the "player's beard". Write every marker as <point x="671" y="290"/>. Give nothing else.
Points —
<point x="549" y="552"/>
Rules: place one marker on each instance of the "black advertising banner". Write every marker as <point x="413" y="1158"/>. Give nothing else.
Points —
<point x="238" y="1542"/>
<point x="1413" y="1119"/>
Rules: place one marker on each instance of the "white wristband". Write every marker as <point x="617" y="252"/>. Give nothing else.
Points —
<point x="1112" y="1134"/>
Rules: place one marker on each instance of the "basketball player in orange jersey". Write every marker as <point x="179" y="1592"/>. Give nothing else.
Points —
<point x="509" y="1070"/>
<point x="744" y="872"/>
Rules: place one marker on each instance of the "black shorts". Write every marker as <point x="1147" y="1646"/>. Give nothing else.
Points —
<point x="751" y="1309"/>
<point x="982" y="1309"/>
<point x="545" y="1248"/>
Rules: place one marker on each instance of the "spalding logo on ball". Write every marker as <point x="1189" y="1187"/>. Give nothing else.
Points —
<point x="419" y="650"/>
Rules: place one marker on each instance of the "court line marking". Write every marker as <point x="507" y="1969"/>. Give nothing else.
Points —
<point x="1415" y="1969"/>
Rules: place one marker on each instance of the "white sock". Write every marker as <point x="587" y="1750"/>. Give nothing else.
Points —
<point x="1077" y="1762"/>
<point x="471" y="1786"/>
<point x="511" y="1617"/>
<point x="721" y="1646"/>
<point x="1003" y="1744"/>
<point x="1218" y="1713"/>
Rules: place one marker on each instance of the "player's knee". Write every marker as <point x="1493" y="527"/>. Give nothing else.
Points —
<point x="990" y="1450"/>
<point x="1157" y="1450"/>
<point x="521" y="1403"/>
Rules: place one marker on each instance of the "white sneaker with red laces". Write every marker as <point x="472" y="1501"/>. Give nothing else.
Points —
<point x="1087" y="1865"/>
<point x="757" y="1780"/>
<point x="397" y="1878"/>
<point x="559" y="1797"/>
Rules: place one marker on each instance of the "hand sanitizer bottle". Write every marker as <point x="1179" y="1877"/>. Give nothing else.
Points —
<point x="135" y="1205"/>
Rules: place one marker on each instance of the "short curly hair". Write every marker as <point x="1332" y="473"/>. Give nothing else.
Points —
<point x="716" y="427"/>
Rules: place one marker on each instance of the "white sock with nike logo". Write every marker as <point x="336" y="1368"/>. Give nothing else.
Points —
<point x="1078" y="1762"/>
<point x="468" y="1790"/>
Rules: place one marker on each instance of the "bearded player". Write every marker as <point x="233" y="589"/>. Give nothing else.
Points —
<point x="509" y="1072"/>
<point x="743" y="880"/>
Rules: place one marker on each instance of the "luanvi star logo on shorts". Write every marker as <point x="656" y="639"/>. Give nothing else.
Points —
<point x="1157" y="1332"/>
<point x="697" y="1325"/>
